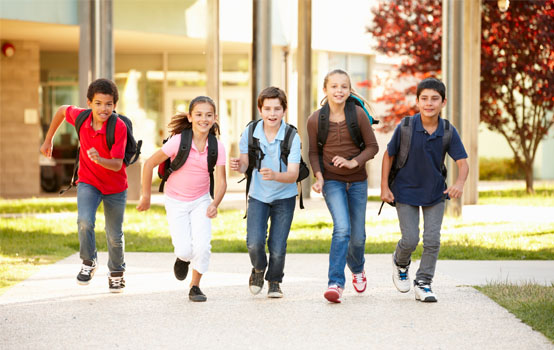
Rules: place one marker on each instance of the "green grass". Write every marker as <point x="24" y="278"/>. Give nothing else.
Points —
<point x="544" y="196"/>
<point x="531" y="303"/>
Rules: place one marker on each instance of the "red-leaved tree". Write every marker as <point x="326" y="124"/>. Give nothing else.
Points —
<point x="517" y="65"/>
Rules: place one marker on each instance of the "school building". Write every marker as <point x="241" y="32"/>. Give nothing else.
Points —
<point x="162" y="58"/>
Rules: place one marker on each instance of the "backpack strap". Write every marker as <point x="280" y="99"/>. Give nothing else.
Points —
<point x="110" y="130"/>
<point x="255" y="157"/>
<point x="352" y="124"/>
<point x="81" y="117"/>
<point x="212" y="160"/>
<point x="180" y="158"/>
<point x="361" y="103"/>
<point x="446" y="138"/>
<point x="322" y="132"/>
<point x="286" y="144"/>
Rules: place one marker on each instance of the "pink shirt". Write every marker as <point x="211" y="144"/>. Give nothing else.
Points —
<point x="192" y="180"/>
<point x="105" y="180"/>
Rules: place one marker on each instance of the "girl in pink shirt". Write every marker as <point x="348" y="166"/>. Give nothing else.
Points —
<point x="188" y="204"/>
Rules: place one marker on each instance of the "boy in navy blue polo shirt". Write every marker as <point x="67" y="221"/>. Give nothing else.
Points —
<point x="420" y="183"/>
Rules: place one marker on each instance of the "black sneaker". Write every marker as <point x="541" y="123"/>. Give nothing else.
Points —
<point x="256" y="282"/>
<point x="196" y="294"/>
<point x="274" y="290"/>
<point x="116" y="282"/>
<point x="181" y="269"/>
<point x="87" y="271"/>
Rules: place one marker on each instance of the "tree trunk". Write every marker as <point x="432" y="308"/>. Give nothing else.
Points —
<point x="529" y="179"/>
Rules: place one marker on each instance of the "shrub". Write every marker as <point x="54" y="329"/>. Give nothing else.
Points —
<point x="499" y="169"/>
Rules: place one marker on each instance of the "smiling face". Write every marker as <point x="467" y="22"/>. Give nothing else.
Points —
<point x="202" y="117"/>
<point x="337" y="88"/>
<point x="272" y="112"/>
<point x="102" y="106"/>
<point x="430" y="103"/>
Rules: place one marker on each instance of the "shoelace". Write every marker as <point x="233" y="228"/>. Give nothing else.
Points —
<point x="116" y="281"/>
<point x="359" y="277"/>
<point x="86" y="270"/>
<point x="402" y="274"/>
<point x="425" y="287"/>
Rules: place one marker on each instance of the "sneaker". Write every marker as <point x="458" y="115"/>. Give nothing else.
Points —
<point x="400" y="276"/>
<point x="181" y="269"/>
<point x="196" y="294"/>
<point x="87" y="271"/>
<point x="423" y="292"/>
<point x="116" y="282"/>
<point x="333" y="293"/>
<point x="274" y="290"/>
<point x="359" y="281"/>
<point x="256" y="282"/>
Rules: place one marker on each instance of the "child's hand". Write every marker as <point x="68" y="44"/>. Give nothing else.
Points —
<point x="267" y="174"/>
<point x="318" y="186"/>
<point x="93" y="154"/>
<point x="234" y="164"/>
<point x="144" y="203"/>
<point x="341" y="162"/>
<point x="211" y="212"/>
<point x="455" y="191"/>
<point x="386" y="195"/>
<point x="46" y="148"/>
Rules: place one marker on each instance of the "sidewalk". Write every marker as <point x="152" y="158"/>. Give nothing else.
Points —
<point x="50" y="311"/>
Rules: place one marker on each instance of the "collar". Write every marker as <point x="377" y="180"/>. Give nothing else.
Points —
<point x="88" y="124"/>
<point x="260" y="134"/>
<point x="419" y="125"/>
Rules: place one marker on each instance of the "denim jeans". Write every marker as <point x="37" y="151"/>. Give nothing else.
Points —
<point x="347" y="204"/>
<point x="280" y="212"/>
<point x="408" y="218"/>
<point x="88" y="200"/>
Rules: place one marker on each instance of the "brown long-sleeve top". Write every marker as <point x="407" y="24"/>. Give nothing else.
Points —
<point x="340" y="143"/>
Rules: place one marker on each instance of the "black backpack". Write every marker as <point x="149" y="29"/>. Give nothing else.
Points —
<point x="255" y="156"/>
<point x="406" y="131"/>
<point x="132" y="148"/>
<point x="351" y="123"/>
<point x="168" y="167"/>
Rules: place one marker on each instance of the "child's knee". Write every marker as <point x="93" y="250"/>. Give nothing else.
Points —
<point x="85" y="225"/>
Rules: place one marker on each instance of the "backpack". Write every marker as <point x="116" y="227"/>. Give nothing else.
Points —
<point x="132" y="148"/>
<point x="351" y="123"/>
<point x="255" y="156"/>
<point x="167" y="167"/>
<point x="406" y="131"/>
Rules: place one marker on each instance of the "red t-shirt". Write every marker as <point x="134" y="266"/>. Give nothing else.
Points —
<point x="105" y="180"/>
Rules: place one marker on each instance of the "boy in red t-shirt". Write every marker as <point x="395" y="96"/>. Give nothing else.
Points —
<point x="102" y="178"/>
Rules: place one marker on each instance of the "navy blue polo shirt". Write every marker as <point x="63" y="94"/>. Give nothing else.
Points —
<point x="420" y="182"/>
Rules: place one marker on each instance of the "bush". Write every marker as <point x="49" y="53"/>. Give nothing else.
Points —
<point x="499" y="169"/>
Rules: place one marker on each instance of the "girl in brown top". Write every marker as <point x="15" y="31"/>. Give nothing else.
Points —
<point x="340" y="174"/>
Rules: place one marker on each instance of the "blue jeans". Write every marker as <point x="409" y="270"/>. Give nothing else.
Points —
<point x="88" y="200"/>
<point x="281" y="212"/>
<point x="347" y="204"/>
<point x="408" y="218"/>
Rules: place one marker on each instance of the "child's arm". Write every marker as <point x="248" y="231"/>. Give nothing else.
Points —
<point x="318" y="185"/>
<point x="113" y="164"/>
<point x="58" y="119"/>
<point x="220" y="188"/>
<point x="386" y="193"/>
<point x="147" y="171"/>
<point x="456" y="190"/>
<point x="239" y="164"/>
<point x="289" y="176"/>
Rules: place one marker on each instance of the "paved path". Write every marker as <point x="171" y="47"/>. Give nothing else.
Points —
<point x="50" y="311"/>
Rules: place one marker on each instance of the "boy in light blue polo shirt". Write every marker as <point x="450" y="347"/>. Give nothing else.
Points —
<point x="272" y="192"/>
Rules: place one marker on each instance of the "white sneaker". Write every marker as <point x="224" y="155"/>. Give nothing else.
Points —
<point x="423" y="292"/>
<point x="400" y="276"/>
<point x="359" y="281"/>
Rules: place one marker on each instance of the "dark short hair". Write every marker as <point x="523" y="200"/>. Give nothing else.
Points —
<point x="433" y="84"/>
<point x="272" y="92"/>
<point x="103" y="86"/>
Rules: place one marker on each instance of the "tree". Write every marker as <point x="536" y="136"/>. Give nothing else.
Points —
<point x="517" y="65"/>
<point x="517" y="76"/>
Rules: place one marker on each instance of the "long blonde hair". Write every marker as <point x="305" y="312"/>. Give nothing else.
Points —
<point x="180" y="121"/>
<point x="352" y="91"/>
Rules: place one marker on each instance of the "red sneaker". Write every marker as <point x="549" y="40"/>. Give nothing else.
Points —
<point x="359" y="281"/>
<point x="333" y="293"/>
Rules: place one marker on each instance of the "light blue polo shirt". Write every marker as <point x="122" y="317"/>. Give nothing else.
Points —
<point x="268" y="191"/>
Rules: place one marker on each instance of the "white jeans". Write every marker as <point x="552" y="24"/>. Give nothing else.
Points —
<point x="191" y="230"/>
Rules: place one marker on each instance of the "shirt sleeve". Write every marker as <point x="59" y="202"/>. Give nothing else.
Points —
<point x="71" y="114"/>
<point x="243" y="145"/>
<point x="456" y="150"/>
<point x="394" y="143"/>
<point x="294" y="155"/>
<point x="312" y="138"/>
<point x="171" y="146"/>
<point x="221" y="156"/>
<point x="120" y="140"/>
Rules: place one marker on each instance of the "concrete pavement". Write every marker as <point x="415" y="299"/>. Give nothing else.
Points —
<point x="51" y="311"/>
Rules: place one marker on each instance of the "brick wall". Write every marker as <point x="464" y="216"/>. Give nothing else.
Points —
<point x="19" y="139"/>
